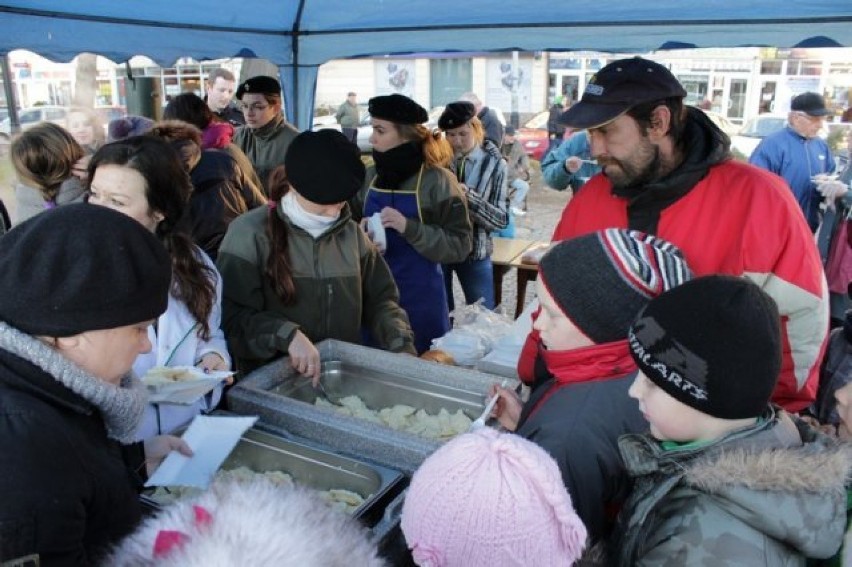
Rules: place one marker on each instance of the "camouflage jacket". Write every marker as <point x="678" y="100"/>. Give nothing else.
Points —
<point x="770" y="494"/>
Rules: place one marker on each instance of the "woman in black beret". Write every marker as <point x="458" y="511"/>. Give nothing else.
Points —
<point x="301" y="271"/>
<point x="421" y="208"/>
<point x="79" y="286"/>
<point x="266" y="135"/>
<point x="143" y="178"/>
<point x="481" y="171"/>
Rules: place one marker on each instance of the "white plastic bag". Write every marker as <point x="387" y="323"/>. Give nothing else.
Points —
<point x="475" y="332"/>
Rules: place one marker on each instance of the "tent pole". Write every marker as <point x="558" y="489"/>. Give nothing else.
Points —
<point x="297" y="23"/>
<point x="9" y="89"/>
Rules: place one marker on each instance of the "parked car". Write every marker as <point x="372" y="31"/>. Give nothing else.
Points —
<point x="29" y="117"/>
<point x="723" y="122"/>
<point x="533" y="136"/>
<point x="756" y="129"/>
<point x="365" y="128"/>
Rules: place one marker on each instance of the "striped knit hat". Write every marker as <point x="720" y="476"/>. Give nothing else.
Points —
<point x="602" y="280"/>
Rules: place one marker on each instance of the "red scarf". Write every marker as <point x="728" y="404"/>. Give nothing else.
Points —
<point x="588" y="364"/>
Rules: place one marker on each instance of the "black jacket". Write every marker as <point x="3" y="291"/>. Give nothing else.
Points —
<point x="67" y="491"/>
<point x="5" y="221"/>
<point x="219" y="195"/>
<point x="491" y="125"/>
<point x="232" y="115"/>
<point x="579" y="425"/>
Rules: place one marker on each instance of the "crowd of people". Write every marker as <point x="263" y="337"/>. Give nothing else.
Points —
<point x="683" y="399"/>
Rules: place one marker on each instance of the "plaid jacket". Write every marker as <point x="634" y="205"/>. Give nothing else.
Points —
<point x="483" y="172"/>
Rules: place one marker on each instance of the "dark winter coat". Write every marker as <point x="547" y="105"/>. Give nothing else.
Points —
<point x="67" y="490"/>
<point x="579" y="425"/>
<point x="219" y="195"/>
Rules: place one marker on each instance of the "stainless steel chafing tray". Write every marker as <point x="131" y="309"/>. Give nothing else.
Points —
<point x="281" y="397"/>
<point x="381" y="389"/>
<point x="262" y="451"/>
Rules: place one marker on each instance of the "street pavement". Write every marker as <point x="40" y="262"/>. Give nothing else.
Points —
<point x="544" y="207"/>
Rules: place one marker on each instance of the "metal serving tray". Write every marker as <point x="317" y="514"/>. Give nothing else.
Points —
<point x="281" y="397"/>
<point x="262" y="451"/>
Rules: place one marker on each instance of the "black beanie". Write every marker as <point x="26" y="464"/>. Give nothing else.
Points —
<point x="398" y="109"/>
<point x="456" y="114"/>
<point x="261" y="84"/>
<point x="714" y="344"/>
<point x="602" y="280"/>
<point x="81" y="268"/>
<point x="324" y="166"/>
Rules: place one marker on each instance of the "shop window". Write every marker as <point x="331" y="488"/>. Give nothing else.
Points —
<point x="771" y="67"/>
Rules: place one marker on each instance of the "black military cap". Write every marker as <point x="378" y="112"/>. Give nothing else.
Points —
<point x="262" y="84"/>
<point x="456" y="114"/>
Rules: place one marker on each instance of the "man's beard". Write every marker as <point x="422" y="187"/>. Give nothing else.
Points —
<point x="640" y="168"/>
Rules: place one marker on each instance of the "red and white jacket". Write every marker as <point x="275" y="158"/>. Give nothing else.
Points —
<point x="742" y="221"/>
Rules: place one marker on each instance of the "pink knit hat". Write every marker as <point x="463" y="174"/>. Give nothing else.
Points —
<point x="489" y="498"/>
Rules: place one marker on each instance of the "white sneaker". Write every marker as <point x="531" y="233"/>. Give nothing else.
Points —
<point x="518" y="212"/>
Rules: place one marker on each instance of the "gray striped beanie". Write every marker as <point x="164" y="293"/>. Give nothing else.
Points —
<point x="602" y="280"/>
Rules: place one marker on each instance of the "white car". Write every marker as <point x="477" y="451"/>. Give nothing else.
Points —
<point x="723" y="122"/>
<point x="29" y="117"/>
<point x="756" y="129"/>
<point x="365" y="129"/>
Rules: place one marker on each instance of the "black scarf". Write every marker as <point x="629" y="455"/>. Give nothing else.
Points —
<point x="397" y="164"/>
<point x="704" y="145"/>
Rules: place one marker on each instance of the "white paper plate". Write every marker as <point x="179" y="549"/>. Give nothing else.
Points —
<point x="193" y="384"/>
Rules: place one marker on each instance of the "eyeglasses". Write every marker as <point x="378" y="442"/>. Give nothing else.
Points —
<point x="246" y="108"/>
<point x="807" y="116"/>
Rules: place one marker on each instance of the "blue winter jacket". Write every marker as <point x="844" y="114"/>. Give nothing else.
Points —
<point x="553" y="165"/>
<point x="797" y="160"/>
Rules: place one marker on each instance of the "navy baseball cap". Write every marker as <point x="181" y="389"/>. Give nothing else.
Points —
<point x="810" y="103"/>
<point x="617" y="88"/>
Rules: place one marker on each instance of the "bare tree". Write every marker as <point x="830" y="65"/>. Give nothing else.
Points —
<point x="253" y="67"/>
<point x="85" y="83"/>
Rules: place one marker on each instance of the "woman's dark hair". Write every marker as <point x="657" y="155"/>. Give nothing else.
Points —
<point x="167" y="189"/>
<point x="278" y="266"/>
<point x="189" y="107"/>
<point x="641" y="113"/>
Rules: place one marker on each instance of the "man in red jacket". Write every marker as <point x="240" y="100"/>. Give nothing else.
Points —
<point x="667" y="171"/>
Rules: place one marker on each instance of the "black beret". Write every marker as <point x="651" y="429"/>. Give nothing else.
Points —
<point x="324" y="166"/>
<point x="262" y="84"/>
<point x="397" y="108"/>
<point x="456" y="114"/>
<point x="81" y="268"/>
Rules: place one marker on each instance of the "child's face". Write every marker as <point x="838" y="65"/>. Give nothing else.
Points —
<point x="670" y="419"/>
<point x="844" y="409"/>
<point x="557" y="331"/>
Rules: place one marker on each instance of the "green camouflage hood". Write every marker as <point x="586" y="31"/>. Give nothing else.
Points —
<point x="772" y="492"/>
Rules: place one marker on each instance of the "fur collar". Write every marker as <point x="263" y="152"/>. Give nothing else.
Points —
<point x="821" y="464"/>
<point x="120" y="407"/>
<point x="779" y="454"/>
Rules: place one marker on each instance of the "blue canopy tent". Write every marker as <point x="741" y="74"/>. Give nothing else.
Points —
<point x="300" y="35"/>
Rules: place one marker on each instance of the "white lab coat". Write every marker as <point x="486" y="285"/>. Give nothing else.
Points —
<point x="176" y="342"/>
